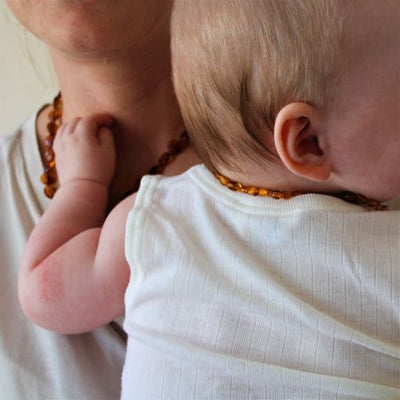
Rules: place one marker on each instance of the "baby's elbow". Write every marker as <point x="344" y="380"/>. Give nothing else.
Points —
<point x="39" y="292"/>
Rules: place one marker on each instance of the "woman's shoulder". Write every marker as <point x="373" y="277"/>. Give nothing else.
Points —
<point x="21" y="166"/>
<point x="12" y="140"/>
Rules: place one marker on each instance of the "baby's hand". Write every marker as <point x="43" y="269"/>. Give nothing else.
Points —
<point x="84" y="149"/>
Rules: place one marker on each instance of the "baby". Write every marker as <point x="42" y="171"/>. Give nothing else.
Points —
<point x="293" y="293"/>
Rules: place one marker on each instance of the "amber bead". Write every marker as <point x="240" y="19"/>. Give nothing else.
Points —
<point x="164" y="160"/>
<point x="49" y="191"/>
<point x="173" y="144"/>
<point x="253" y="191"/>
<point x="222" y="179"/>
<point x="45" y="178"/>
<point x="176" y="150"/>
<point x="154" y="170"/>
<point x="263" y="192"/>
<point x="49" y="155"/>
<point x="52" y="126"/>
<point x="287" y="195"/>
<point x="49" y="141"/>
<point x="296" y="193"/>
<point x="184" y="138"/>
<point x="276" y="195"/>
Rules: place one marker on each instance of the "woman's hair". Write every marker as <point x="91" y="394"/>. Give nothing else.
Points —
<point x="236" y="63"/>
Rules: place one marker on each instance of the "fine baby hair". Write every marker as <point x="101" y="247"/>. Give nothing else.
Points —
<point x="295" y="96"/>
<point x="236" y="64"/>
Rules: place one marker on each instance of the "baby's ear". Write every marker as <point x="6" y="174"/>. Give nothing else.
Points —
<point x="300" y="143"/>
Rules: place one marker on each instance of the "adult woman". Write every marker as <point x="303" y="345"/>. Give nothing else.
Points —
<point x="109" y="57"/>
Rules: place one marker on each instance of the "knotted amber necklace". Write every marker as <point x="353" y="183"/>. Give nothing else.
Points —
<point x="49" y="176"/>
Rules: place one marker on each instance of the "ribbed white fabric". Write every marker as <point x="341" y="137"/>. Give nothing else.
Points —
<point x="36" y="364"/>
<point x="240" y="297"/>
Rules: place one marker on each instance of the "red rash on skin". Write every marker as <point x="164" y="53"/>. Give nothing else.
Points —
<point x="50" y="284"/>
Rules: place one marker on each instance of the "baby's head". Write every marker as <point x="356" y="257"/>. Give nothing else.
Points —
<point x="293" y="94"/>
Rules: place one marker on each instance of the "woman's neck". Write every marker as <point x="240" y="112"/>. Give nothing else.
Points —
<point x="139" y="95"/>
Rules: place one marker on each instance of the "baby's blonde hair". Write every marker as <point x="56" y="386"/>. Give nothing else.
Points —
<point x="236" y="63"/>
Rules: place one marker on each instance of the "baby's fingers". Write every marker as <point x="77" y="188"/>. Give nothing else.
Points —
<point x="91" y="125"/>
<point x="65" y="129"/>
<point x="105" y="137"/>
<point x="70" y="126"/>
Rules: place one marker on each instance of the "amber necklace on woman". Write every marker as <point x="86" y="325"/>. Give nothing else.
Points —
<point x="49" y="176"/>
<point x="350" y="197"/>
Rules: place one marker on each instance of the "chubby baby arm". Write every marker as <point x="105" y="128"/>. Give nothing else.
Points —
<point x="73" y="274"/>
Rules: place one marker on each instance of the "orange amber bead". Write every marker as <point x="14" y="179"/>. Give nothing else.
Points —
<point x="253" y="191"/>
<point x="44" y="178"/>
<point x="49" y="191"/>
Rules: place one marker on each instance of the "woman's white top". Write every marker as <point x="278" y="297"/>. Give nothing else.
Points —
<point x="240" y="297"/>
<point x="35" y="363"/>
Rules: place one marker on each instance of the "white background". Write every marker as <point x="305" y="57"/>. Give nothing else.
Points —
<point x="27" y="78"/>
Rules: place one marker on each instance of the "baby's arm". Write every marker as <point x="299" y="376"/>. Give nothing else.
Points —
<point x="74" y="273"/>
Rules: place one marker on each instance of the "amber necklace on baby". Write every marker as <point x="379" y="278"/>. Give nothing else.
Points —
<point x="49" y="176"/>
<point x="350" y="197"/>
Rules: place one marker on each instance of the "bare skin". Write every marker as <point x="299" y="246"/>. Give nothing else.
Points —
<point x="76" y="280"/>
<point x="112" y="58"/>
<point x="116" y="62"/>
<point x="349" y="144"/>
<point x="86" y="287"/>
<point x="82" y="247"/>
